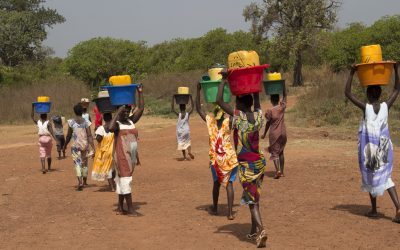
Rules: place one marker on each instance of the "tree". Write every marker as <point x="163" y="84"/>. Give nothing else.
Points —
<point x="23" y="26"/>
<point x="294" y="24"/>
<point x="95" y="60"/>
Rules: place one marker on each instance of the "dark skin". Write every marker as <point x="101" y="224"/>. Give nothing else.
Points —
<point x="376" y="105"/>
<point x="99" y="138"/>
<point x="82" y="181"/>
<point x="280" y="162"/>
<point x="122" y="115"/>
<point x="43" y="118"/>
<point x="182" y="108"/>
<point x="217" y="185"/>
<point x="256" y="222"/>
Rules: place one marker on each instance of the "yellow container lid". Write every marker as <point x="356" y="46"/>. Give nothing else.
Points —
<point x="43" y="99"/>
<point x="183" y="90"/>
<point x="371" y="53"/>
<point x="274" y="76"/>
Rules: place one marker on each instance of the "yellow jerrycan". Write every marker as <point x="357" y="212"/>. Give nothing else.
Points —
<point x="243" y="59"/>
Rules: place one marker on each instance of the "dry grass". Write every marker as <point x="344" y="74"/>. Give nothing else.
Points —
<point x="64" y="91"/>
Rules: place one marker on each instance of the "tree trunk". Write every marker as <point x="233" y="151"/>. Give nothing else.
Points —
<point x="297" y="75"/>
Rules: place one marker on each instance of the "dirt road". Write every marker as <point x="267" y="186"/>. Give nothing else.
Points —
<point x="317" y="205"/>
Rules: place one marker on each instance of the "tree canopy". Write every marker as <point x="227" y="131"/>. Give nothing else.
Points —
<point x="23" y="26"/>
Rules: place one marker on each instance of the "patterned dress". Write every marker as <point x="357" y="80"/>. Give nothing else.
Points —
<point x="125" y="156"/>
<point x="375" y="151"/>
<point x="80" y="146"/>
<point x="251" y="160"/>
<point x="223" y="160"/>
<point x="183" y="132"/>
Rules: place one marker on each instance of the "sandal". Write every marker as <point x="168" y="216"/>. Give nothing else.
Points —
<point x="277" y="175"/>
<point x="262" y="239"/>
<point x="251" y="236"/>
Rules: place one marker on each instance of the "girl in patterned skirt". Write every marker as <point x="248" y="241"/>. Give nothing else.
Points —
<point x="247" y="124"/>
<point x="223" y="160"/>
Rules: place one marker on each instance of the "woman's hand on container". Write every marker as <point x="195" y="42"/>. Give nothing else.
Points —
<point x="140" y="88"/>
<point x="224" y="73"/>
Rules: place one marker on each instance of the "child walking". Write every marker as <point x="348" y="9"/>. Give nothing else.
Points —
<point x="59" y="135"/>
<point x="275" y="118"/>
<point x="247" y="123"/>
<point x="125" y="152"/>
<point x="223" y="160"/>
<point x="375" y="149"/>
<point x="79" y="130"/>
<point x="182" y="128"/>
<point x="103" y="158"/>
<point x="45" y="132"/>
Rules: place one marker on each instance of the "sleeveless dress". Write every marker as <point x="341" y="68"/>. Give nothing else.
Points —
<point x="80" y="146"/>
<point x="251" y="159"/>
<point x="183" y="132"/>
<point x="277" y="130"/>
<point x="125" y="156"/>
<point x="45" y="141"/>
<point x="223" y="160"/>
<point x="375" y="151"/>
<point x="103" y="158"/>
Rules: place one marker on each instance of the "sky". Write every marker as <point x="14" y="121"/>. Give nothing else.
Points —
<point x="156" y="21"/>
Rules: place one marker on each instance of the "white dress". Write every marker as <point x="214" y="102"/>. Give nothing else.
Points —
<point x="183" y="132"/>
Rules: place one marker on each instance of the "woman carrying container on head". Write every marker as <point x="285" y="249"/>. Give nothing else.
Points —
<point x="375" y="149"/>
<point x="247" y="124"/>
<point x="45" y="141"/>
<point x="223" y="160"/>
<point x="277" y="132"/>
<point x="125" y="151"/>
<point x="182" y="128"/>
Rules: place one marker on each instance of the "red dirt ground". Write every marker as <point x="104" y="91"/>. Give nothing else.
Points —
<point x="318" y="205"/>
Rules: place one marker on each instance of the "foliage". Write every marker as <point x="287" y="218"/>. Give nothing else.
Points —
<point x="93" y="61"/>
<point x="343" y="47"/>
<point x="294" y="24"/>
<point x="23" y="26"/>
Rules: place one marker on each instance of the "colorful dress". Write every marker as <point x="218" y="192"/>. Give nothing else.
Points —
<point x="277" y="130"/>
<point x="375" y="151"/>
<point x="223" y="160"/>
<point x="45" y="142"/>
<point x="183" y="132"/>
<point x="80" y="146"/>
<point x="103" y="158"/>
<point x="125" y="156"/>
<point x="251" y="160"/>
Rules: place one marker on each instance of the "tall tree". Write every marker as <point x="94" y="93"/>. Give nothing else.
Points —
<point x="294" y="24"/>
<point x="23" y="25"/>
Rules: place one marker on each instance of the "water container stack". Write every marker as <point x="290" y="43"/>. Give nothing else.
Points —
<point x="209" y="84"/>
<point x="273" y="85"/>
<point x="245" y="73"/>
<point x="43" y="105"/>
<point x="373" y="70"/>
<point x="182" y="97"/>
<point x="121" y="90"/>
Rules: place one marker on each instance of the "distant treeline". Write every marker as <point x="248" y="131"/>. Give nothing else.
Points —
<point x="94" y="60"/>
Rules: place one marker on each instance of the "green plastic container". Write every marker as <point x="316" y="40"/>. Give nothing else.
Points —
<point x="274" y="87"/>
<point x="210" y="90"/>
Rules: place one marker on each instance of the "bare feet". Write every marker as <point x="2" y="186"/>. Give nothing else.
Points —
<point x="191" y="156"/>
<point x="120" y="211"/>
<point x="277" y="175"/>
<point x="212" y="210"/>
<point x="231" y="217"/>
<point x="396" y="219"/>
<point x="372" y="214"/>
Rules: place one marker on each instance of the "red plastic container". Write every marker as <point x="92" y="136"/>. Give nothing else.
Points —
<point x="248" y="80"/>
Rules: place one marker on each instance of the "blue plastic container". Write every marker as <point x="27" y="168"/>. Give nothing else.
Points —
<point x="42" y="107"/>
<point x="122" y="94"/>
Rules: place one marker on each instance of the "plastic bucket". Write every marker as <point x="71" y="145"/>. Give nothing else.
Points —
<point x="123" y="94"/>
<point x="248" y="80"/>
<point x="104" y="105"/>
<point x="210" y="90"/>
<point x="42" y="107"/>
<point x="182" y="98"/>
<point x="375" y="73"/>
<point x="274" y="87"/>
